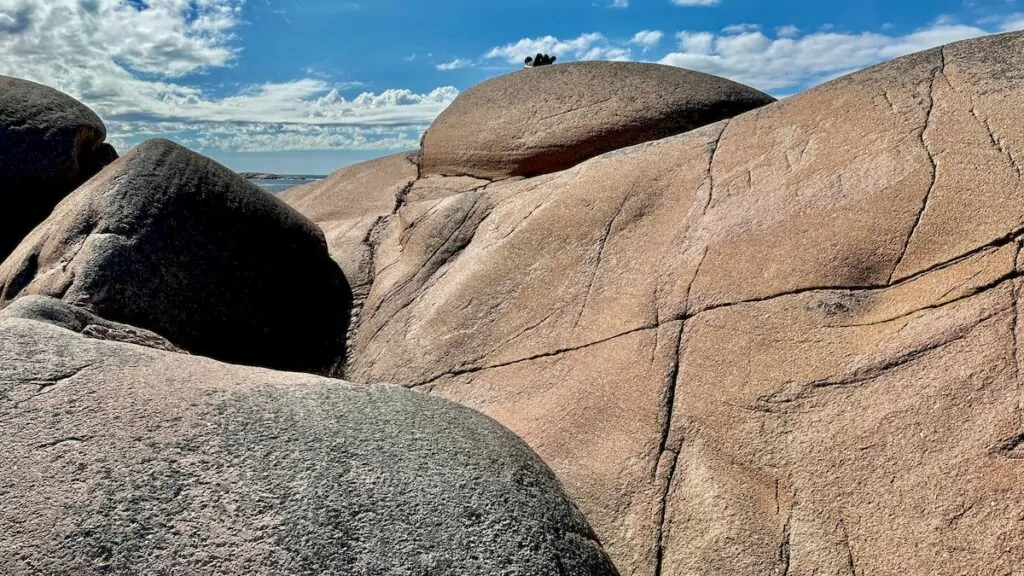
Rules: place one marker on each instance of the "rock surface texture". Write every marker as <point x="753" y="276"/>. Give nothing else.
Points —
<point x="785" y="343"/>
<point x="173" y="243"/>
<point x="49" y="144"/>
<point x="120" y="459"/>
<point x="60" y="313"/>
<point x="353" y="205"/>
<point x="349" y="206"/>
<point x="546" y="119"/>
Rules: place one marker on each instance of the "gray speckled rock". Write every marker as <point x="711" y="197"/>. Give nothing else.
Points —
<point x="120" y="459"/>
<point x="49" y="144"/>
<point x="70" y="317"/>
<point x="546" y="119"/>
<point x="172" y="242"/>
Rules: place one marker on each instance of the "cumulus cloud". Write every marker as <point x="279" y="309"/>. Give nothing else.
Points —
<point x="647" y="38"/>
<point x="789" y="31"/>
<point x="592" y="46"/>
<point x="787" y="62"/>
<point x="791" y="61"/>
<point x="619" y="4"/>
<point x="456" y="64"/>
<point x="696" y="42"/>
<point x="696" y="2"/>
<point x="1012" y="23"/>
<point x="169" y="38"/>
<point x="259" y="137"/>
<point x="741" y="28"/>
<point x="141" y="65"/>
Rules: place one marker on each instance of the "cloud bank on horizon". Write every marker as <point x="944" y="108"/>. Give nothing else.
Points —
<point x="205" y="72"/>
<point x="781" y="63"/>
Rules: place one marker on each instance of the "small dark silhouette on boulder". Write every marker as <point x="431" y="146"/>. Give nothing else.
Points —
<point x="540" y="60"/>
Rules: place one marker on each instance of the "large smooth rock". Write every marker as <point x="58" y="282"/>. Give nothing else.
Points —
<point x="120" y="459"/>
<point x="49" y="144"/>
<point x="786" y="343"/>
<point x="545" y="119"/>
<point x="171" y="242"/>
<point x="348" y="203"/>
<point x="353" y="206"/>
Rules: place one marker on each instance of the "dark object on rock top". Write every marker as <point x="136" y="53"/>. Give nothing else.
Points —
<point x="171" y="242"/>
<point x="49" y="145"/>
<point x="540" y="60"/>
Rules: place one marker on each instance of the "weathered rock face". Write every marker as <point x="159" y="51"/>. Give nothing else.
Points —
<point x="171" y="242"/>
<point x="70" y="317"/>
<point x="349" y="202"/>
<point x="546" y="119"/>
<point x="120" y="459"/>
<point x="766" y="346"/>
<point x="352" y="207"/>
<point x="49" y="144"/>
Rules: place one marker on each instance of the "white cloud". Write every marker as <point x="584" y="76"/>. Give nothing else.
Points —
<point x="696" y="42"/>
<point x="647" y="38"/>
<point x="257" y="137"/>
<point x="619" y="4"/>
<point x="786" y="63"/>
<point x="787" y="31"/>
<point x="741" y="28"/>
<point x="455" y="64"/>
<point x="592" y="46"/>
<point x="1013" y="23"/>
<point x="791" y="61"/>
<point x="142" y="65"/>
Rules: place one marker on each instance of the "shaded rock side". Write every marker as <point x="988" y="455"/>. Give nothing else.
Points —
<point x="126" y="460"/>
<point x="60" y="313"/>
<point x="171" y="242"/>
<point x="762" y="347"/>
<point x="49" y="144"/>
<point x="353" y="206"/>
<point x="542" y="120"/>
<point x="348" y="203"/>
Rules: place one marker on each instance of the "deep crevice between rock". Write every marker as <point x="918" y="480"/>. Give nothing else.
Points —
<point x="668" y="409"/>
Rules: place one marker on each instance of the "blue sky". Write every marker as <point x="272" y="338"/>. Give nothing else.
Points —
<point x="307" y="86"/>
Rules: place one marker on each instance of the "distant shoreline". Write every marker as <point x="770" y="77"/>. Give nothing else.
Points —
<point x="265" y="176"/>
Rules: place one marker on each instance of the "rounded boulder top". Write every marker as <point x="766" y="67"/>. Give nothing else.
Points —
<point x="169" y="241"/>
<point x="542" y="120"/>
<point x="38" y="126"/>
<point x="49" y="144"/>
<point x="139" y="461"/>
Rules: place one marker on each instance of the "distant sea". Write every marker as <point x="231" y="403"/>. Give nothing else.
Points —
<point x="278" y="185"/>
